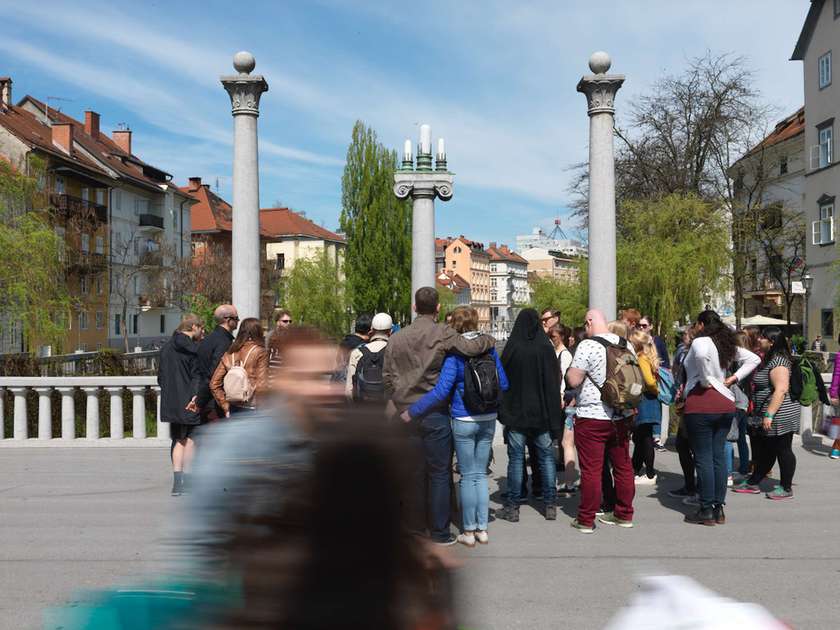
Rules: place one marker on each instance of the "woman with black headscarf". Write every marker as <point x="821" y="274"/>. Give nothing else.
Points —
<point x="530" y="408"/>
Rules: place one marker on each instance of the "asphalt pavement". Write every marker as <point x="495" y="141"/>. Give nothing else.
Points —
<point x="73" y="519"/>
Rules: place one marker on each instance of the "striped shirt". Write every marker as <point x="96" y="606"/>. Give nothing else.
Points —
<point x="786" y="419"/>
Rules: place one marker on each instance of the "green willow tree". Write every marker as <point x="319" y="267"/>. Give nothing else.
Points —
<point x="33" y="293"/>
<point x="378" y="229"/>
<point x="314" y="292"/>
<point x="670" y="252"/>
<point x="569" y="298"/>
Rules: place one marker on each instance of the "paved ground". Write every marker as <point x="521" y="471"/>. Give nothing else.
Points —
<point x="76" y="518"/>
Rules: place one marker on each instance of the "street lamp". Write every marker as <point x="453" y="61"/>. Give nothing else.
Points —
<point x="807" y="284"/>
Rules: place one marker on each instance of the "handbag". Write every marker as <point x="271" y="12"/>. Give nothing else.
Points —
<point x="831" y="423"/>
<point x="734" y="432"/>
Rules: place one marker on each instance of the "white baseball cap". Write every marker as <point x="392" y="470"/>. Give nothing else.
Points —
<point x="382" y="321"/>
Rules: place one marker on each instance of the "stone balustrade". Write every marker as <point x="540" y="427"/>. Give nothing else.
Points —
<point x="94" y="388"/>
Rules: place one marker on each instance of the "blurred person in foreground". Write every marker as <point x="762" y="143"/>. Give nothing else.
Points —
<point x="179" y="388"/>
<point x="277" y="534"/>
<point x="413" y="359"/>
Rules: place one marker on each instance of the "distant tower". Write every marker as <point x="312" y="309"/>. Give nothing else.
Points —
<point x="557" y="233"/>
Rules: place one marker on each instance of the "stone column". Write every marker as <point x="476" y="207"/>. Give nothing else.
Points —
<point x="20" y="431"/>
<point x="244" y="91"/>
<point x="162" y="427"/>
<point x="2" y="412"/>
<point x="92" y="413"/>
<point x="115" y="394"/>
<point x="423" y="184"/>
<point x="600" y="90"/>
<point x="68" y="412"/>
<point x="138" y="412"/>
<point x="44" y="413"/>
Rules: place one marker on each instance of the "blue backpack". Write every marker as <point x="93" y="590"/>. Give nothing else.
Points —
<point x="667" y="386"/>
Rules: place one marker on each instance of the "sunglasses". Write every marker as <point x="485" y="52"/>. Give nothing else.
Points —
<point x="643" y="326"/>
<point x="236" y="319"/>
<point x="285" y="321"/>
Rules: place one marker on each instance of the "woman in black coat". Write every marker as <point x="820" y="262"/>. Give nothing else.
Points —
<point x="530" y="408"/>
<point x="179" y="383"/>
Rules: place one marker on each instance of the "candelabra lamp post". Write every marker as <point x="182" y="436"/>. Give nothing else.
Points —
<point x="600" y="89"/>
<point x="423" y="181"/>
<point x="245" y="91"/>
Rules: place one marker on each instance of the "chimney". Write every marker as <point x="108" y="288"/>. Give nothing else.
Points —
<point x="92" y="124"/>
<point x="6" y="91"/>
<point x="62" y="135"/>
<point x="195" y="183"/>
<point x="505" y="249"/>
<point x="493" y="245"/>
<point x="122" y="138"/>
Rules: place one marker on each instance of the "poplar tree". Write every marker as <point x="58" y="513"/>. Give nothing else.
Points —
<point x="377" y="226"/>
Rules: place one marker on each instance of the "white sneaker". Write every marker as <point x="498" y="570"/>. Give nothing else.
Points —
<point x="467" y="539"/>
<point x="482" y="537"/>
<point x="644" y="480"/>
<point x="730" y="481"/>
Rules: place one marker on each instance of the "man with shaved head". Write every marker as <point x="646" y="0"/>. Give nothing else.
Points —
<point x="600" y="431"/>
<point x="210" y="353"/>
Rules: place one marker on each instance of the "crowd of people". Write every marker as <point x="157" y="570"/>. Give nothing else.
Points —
<point x="570" y="402"/>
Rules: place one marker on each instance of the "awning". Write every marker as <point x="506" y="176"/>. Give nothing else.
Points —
<point x="758" y="320"/>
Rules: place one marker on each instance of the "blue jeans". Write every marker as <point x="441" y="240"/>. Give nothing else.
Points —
<point x="433" y="440"/>
<point x="473" y="441"/>
<point x="707" y="435"/>
<point x="516" y="463"/>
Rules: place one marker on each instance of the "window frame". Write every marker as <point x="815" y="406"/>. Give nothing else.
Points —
<point x="825" y="222"/>
<point x="100" y="320"/>
<point x="826" y="130"/>
<point x="824" y="320"/>
<point x="83" y="320"/>
<point x="825" y="57"/>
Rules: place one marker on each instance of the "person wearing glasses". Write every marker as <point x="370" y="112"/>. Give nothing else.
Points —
<point x="274" y="339"/>
<point x="209" y="354"/>
<point x="549" y="319"/>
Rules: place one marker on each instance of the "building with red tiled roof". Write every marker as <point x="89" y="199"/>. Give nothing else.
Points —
<point x="459" y="287"/>
<point x="771" y="178"/>
<point x="509" y="288"/>
<point x="146" y="218"/>
<point x="468" y="259"/>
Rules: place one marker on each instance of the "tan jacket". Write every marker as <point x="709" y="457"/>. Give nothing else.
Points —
<point x="415" y="354"/>
<point x="256" y="367"/>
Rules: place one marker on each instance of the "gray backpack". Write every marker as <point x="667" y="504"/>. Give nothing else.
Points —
<point x="238" y="387"/>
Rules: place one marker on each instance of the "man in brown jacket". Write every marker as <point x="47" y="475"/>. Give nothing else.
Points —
<point x="413" y="359"/>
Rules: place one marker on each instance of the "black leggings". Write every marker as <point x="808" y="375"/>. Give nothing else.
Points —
<point x="775" y="447"/>
<point x="643" y="451"/>
<point x="686" y="460"/>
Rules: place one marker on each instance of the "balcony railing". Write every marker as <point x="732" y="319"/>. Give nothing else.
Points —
<point x="85" y="262"/>
<point x="150" y="259"/>
<point x="70" y="206"/>
<point x="151" y="221"/>
<point x="151" y="301"/>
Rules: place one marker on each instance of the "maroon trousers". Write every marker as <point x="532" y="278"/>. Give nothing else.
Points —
<point x="595" y="440"/>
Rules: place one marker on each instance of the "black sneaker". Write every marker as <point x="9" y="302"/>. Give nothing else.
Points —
<point x="450" y="540"/>
<point x="720" y="517"/>
<point x="177" y="488"/>
<point x="551" y="512"/>
<point x="682" y="493"/>
<point x="701" y="517"/>
<point x="509" y="513"/>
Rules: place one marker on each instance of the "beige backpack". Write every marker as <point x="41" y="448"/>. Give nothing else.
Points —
<point x="238" y="387"/>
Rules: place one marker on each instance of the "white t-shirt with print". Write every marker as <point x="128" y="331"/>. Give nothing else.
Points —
<point x="591" y="357"/>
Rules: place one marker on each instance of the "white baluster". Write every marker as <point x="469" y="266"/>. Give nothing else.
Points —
<point x="92" y="413"/>
<point x="162" y="427"/>
<point x="2" y="412"/>
<point x="138" y="420"/>
<point x="44" y="413"/>
<point x="20" y="432"/>
<point x="117" y="432"/>
<point x="68" y="413"/>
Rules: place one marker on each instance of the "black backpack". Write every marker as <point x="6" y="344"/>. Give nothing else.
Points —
<point x="368" y="384"/>
<point x="481" y="384"/>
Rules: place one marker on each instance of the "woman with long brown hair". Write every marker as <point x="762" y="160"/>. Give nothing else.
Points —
<point x="248" y="353"/>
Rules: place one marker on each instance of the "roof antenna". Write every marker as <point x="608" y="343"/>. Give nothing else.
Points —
<point x="47" y="105"/>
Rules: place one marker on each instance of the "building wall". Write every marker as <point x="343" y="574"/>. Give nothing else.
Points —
<point x="820" y="106"/>
<point x="300" y="248"/>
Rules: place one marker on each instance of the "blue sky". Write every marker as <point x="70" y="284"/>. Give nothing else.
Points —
<point x="496" y="79"/>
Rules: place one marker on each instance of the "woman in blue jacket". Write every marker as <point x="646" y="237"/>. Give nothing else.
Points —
<point x="473" y="432"/>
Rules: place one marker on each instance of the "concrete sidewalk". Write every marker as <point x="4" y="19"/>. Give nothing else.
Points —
<point x="75" y="519"/>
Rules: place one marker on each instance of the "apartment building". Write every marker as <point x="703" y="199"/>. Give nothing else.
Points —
<point x="471" y="261"/>
<point x="509" y="288"/>
<point x="554" y="264"/>
<point x="819" y="37"/>
<point x="78" y="192"/>
<point x="769" y="184"/>
<point x="148" y="233"/>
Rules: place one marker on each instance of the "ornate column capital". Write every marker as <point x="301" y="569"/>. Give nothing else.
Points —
<point x="423" y="185"/>
<point x="244" y="90"/>
<point x="600" y="90"/>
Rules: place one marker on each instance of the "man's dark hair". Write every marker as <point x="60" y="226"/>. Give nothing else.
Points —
<point x="363" y="323"/>
<point x="426" y="300"/>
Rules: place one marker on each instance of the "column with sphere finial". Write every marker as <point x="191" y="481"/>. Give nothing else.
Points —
<point x="423" y="182"/>
<point x="245" y="91"/>
<point x="600" y="89"/>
